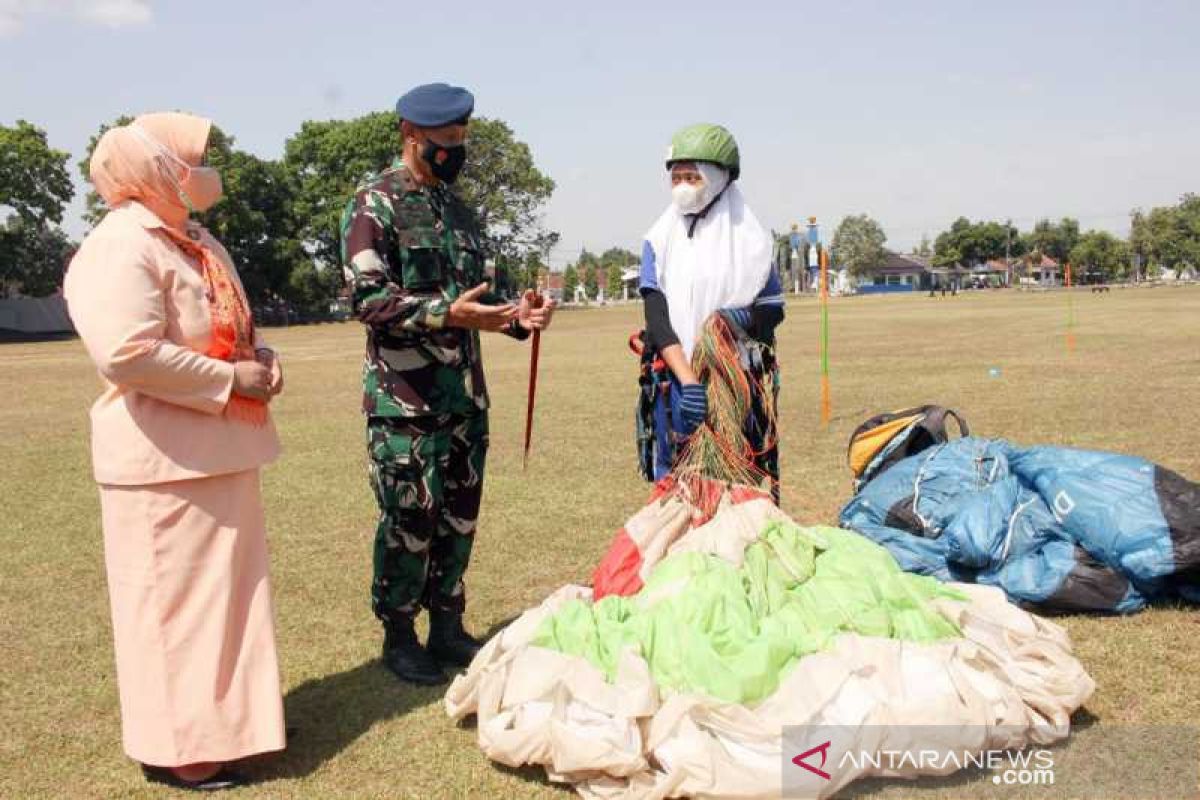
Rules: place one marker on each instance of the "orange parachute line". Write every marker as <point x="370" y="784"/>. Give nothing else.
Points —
<point x="719" y="449"/>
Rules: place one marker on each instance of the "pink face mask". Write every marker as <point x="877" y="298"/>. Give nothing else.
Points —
<point x="199" y="188"/>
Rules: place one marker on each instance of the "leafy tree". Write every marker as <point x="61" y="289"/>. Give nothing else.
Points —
<point x="605" y="270"/>
<point x="1189" y="221"/>
<point x="570" y="283"/>
<point x="531" y="271"/>
<point x="858" y="242"/>
<point x="969" y="243"/>
<point x="618" y="256"/>
<point x="587" y="267"/>
<point x="307" y="288"/>
<point x="948" y="247"/>
<point x="614" y="286"/>
<point x="1167" y="236"/>
<point x="537" y="272"/>
<point x="255" y="221"/>
<point x="329" y="160"/>
<point x="503" y="185"/>
<point x="1140" y="240"/>
<point x="33" y="257"/>
<point x="591" y="281"/>
<point x="34" y="181"/>
<point x="35" y="187"/>
<point x="1164" y="230"/>
<point x="326" y="161"/>
<point x="1053" y="240"/>
<point x="1100" y="251"/>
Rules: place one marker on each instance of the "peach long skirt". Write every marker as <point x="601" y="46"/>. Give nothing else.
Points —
<point x="192" y="619"/>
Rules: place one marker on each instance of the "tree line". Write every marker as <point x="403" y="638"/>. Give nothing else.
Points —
<point x="1166" y="237"/>
<point x="593" y="271"/>
<point x="278" y="218"/>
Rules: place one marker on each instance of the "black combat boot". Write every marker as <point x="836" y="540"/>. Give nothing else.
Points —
<point x="405" y="657"/>
<point x="448" y="642"/>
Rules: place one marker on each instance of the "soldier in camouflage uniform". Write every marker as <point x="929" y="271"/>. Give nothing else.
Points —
<point x="413" y="255"/>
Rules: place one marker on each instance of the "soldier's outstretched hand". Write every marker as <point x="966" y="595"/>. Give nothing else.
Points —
<point x="468" y="312"/>
<point x="535" y="311"/>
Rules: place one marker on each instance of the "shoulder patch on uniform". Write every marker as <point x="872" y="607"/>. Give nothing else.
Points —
<point x="392" y="178"/>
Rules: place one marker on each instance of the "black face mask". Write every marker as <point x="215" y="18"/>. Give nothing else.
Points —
<point x="444" y="162"/>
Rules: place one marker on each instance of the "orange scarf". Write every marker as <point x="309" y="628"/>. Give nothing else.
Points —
<point x="232" y="322"/>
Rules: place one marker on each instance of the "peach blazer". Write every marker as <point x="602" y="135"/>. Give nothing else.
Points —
<point x="139" y="305"/>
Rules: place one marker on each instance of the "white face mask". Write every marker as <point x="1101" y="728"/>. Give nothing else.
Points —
<point x="688" y="198"/>
<point x="691" y="199"/>
<point x="199" y="188"/>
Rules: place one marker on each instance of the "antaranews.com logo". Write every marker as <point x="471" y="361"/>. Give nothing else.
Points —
<point x="994" y="763"/>
<point x="1011" y="768"/>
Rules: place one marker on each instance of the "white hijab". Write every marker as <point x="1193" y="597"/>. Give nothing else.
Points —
<point x="725" y="264"/>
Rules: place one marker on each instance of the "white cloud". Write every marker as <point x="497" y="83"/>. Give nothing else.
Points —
<point x="12" y="16"/>
<point x="115" y="13"/>
<point x="111" y="13"/>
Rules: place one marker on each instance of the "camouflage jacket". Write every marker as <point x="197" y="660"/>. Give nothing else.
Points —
<point x="408" y="253"/>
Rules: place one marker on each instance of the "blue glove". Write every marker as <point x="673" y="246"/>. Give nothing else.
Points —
<point x="692" y="409"/>
<point x="739" y="315"/>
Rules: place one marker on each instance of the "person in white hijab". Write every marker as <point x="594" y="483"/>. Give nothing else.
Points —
<point x="706" y="253"/>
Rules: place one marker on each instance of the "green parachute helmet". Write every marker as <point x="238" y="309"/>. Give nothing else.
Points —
<point x="706" y="142"/>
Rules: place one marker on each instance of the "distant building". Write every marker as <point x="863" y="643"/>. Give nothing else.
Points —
<point x="1044" y="271"/>
<point x="995" y="272"/>
<point x="553" y="286"/>
<point x="912" y="273"/>
<point x="631" y="277"/>
<point x="897" y="273"/>
<point x="1185" y="272"/>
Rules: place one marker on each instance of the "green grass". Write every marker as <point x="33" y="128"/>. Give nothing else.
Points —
<point x="1130" y="386"/>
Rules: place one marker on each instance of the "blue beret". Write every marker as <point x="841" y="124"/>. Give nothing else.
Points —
<point x="435" y="104"/>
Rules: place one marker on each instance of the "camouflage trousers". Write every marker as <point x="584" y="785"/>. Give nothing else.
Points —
<point x="427" y="474"/>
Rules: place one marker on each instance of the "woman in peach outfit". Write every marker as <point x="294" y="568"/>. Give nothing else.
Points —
<point x="178" y="438"/>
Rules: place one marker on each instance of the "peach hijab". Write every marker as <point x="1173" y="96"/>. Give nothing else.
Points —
<point x="126" y="166"/>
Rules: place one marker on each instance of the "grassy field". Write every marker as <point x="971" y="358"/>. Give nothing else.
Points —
<point x="1130" y="386"/>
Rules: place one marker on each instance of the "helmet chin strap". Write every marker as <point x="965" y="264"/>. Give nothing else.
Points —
<point x="702" y="213"/>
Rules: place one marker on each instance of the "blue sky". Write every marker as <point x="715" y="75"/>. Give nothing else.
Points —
<point x="913" y="112"/>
